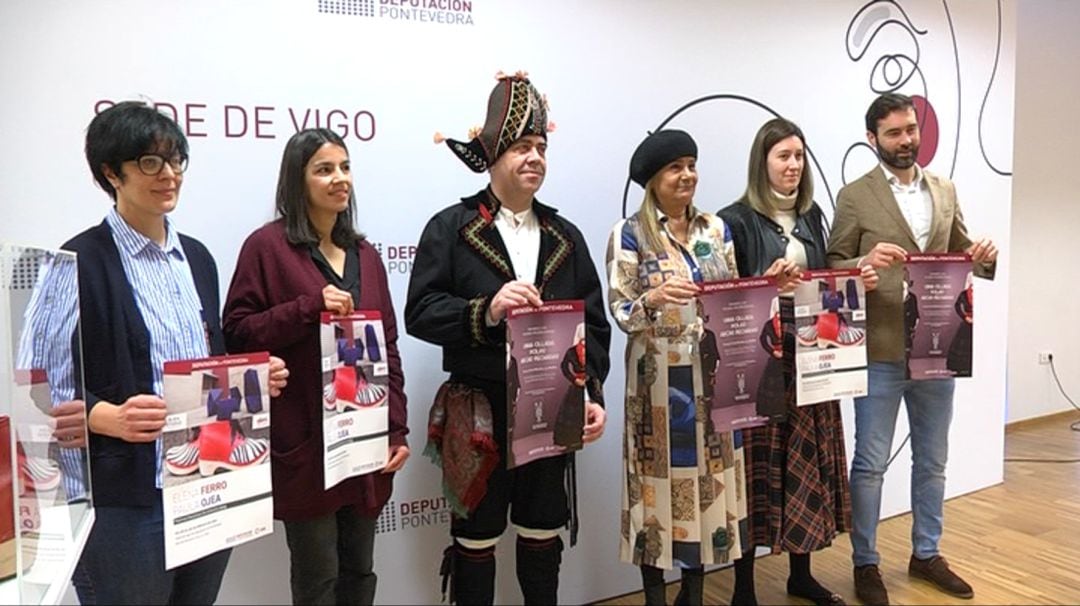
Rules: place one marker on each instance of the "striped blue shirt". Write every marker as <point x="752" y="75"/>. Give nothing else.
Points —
<point x="165" y="294"/>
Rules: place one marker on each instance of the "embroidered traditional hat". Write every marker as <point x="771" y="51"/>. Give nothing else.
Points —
<point x="515" y="109"/>
<point x="657" y="150"/>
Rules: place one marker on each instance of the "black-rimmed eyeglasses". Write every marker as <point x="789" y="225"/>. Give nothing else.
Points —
<point x="152" y="164"/>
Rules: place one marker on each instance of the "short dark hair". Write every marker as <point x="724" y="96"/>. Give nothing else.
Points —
<point x="125" y="131"/>
<point x="883" y="106"/>
<point x="292" y="191"/>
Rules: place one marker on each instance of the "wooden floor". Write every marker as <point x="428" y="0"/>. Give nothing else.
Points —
<point x="1016" y="543"/>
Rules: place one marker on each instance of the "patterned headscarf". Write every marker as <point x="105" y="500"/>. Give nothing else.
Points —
<point x="515" y="109"/>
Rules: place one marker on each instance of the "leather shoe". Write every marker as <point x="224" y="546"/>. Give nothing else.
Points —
<point x="936" y="570"/>
<point x="869" y="587"/>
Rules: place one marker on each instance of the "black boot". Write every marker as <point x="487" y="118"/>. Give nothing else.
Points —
<point x="802" y="584"/>
<point x="692" y="588"/>
<point x="652" y="579"/>
<point x="470" y="574"/>
<point x="744" y="594"/>
<point x="538" y="569"/>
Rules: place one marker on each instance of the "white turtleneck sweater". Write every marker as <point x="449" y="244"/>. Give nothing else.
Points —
<point x="786" y="216"/>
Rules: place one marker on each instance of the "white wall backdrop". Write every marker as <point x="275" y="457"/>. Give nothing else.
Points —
<point x="611" y="69"/>
<point x="1046" y="216"/>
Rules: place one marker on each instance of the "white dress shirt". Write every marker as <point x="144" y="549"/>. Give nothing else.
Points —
<point x="521" y="234"/>
<point x="914" y="202"/>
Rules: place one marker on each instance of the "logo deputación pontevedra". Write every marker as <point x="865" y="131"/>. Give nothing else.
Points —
<point x="448" y="12"/>
<point x="417" y="513"/>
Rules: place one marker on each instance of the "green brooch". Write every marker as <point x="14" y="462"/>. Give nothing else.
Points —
<point x="702" y="249"/>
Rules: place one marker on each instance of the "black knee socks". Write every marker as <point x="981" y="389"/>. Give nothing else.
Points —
<point x="469" y="574"/>
<point x="538" y="563"/>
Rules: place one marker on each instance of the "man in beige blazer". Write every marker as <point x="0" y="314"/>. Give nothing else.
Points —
<point x="894" y="209"/>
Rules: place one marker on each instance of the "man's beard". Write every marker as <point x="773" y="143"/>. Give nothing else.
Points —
<point x="894" y="160"/>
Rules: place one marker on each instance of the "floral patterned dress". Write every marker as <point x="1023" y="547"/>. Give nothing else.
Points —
<point x="684" y="495"/>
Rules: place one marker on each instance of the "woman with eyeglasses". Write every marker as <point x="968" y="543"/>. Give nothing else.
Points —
<point x="147" y="294"/>
<point x="311" y="260"/>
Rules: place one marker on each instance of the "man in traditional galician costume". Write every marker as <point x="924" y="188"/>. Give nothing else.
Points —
<point x="497" y="249"/>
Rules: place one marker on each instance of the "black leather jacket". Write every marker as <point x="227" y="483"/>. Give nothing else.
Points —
<point x="759" y="240"/>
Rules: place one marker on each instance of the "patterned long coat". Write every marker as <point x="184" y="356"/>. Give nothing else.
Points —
<point x="684" y="492"/>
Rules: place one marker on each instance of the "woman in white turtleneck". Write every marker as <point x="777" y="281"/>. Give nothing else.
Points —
<point x="796" y="470"/>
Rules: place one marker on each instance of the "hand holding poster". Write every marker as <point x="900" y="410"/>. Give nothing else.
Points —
<point x="356" y="414"/>
<point x="830" y="329"/>
<point x="735" y="367"/>
<point x="214" y="449"/>
<point x="545" y="380"/>
<point x="938" y="315"/>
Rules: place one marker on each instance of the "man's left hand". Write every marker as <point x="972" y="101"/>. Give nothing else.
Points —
<point x="870" y="277"/>
<point x="983" y="251"/>
<point x="595" y="417"/>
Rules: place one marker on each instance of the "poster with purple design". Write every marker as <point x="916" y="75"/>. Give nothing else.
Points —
<point x="734" y="360"/>
<point x="938" y="315"/>
<point x="545" y="380"/>
<point x="830" y="336"/>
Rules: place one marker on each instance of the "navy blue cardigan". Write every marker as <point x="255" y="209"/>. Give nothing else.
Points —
<point x="116" y="356"/>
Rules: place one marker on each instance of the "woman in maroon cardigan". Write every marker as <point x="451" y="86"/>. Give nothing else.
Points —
<point x="308" y="261"/>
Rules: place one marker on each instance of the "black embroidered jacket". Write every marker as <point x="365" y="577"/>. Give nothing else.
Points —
<point x="461" y="262"/>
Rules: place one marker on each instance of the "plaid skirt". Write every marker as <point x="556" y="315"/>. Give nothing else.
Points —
<point x="796" y="477"/>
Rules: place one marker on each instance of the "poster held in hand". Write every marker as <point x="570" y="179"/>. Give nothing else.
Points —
<point x="737" y="363"/>
<point x="545" y="380"/>
<point x="830" y="336"/>
<point x="215" y="455"/>
<point x="355" y="402"/>
<point x="938" y="315"/>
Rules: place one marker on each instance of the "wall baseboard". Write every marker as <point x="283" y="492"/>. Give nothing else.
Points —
<point x="1025" y="423"/>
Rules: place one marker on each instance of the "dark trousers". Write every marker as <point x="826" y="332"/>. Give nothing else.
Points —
<point x="124" y="563"/>
<point x="534" y="494"/>
<point x="331" y="558"/>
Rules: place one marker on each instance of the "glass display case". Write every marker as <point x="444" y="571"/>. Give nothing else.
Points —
<point x="45" y="503"/>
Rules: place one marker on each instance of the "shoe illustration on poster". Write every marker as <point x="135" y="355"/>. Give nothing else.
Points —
<point x="355" y="395"/>
<point x="216" y="489"/>
<point x="830" y="327"/>
<point x="830" y="336"/>
<point x="229" y="429"/>
<point x="356" y="377"/>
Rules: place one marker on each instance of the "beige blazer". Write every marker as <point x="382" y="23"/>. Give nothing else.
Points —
<point x="867" y="213"/>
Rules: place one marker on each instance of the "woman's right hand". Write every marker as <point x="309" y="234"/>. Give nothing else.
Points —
<point x="336" y="300"/>
<point x="787" y="273"/>
<point x="676" y="290"/>
<point x="139" y="419"/>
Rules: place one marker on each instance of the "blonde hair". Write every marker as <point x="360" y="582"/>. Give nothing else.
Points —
<point x="758" y="190"/>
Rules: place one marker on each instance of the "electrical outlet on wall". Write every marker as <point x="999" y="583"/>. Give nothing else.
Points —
<point x="1044" y="357"/>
